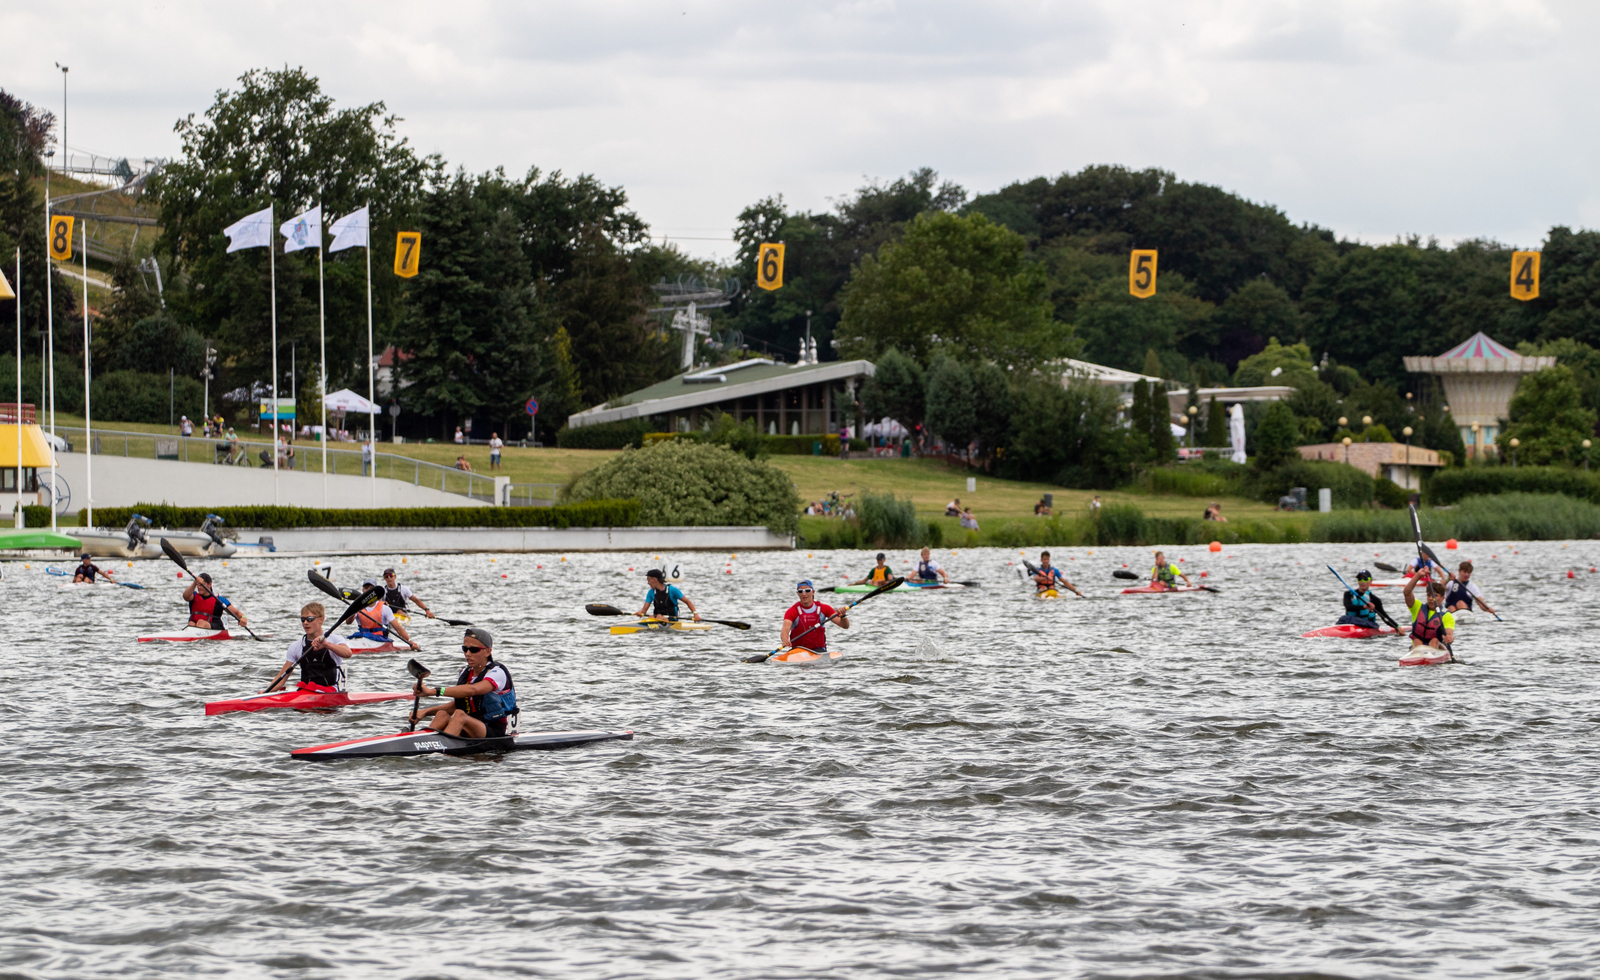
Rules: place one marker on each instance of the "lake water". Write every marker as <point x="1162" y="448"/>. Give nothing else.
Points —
<point x="985" y="784"/>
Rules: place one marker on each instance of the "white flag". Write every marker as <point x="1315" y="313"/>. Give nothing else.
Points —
<point x="250" y="231"/>
<point x="303" y="231"/>
<point x="351" y="231"/>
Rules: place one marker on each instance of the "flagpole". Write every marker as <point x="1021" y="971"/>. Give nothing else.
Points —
<point x="88" y="430"/>
<point x="49" y="366"/>
<point x="272" y="266"/>
<point x="372" y="405"/>
<point x="20" y="522"/>
<point x="322" y="378"/>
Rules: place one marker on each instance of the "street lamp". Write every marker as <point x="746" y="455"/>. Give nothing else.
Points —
<point x="1476" y="438"/>
<point x="1346" y="441"/>
<point x="1366" y="420"/>
<point x="1183" y="420"/>
<point x="1407" y="433"/>
<point x="1514" y="444"/>
<point x="1586" y="455"/>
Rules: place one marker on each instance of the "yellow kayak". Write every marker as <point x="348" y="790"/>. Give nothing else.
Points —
<point x="640" y="625"/>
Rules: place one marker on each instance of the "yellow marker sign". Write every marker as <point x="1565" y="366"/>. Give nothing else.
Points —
<point x="769" y="265"/>
<point x="1524" y="275"/>
<point x="5" y="288"/>
<point x="407" y="253"/>
<point x="1142" y="273"/>
<point x="60" y="237"/>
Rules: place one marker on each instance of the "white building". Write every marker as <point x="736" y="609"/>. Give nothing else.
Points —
<point x="1479" y="378"/>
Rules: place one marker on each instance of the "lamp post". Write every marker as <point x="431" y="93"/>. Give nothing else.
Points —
<point x="1407" y="433"/>
<point x="1514" y="444"/>
<point x="1586" y="455"/>
<point x="1183" y="420"/>
<point x="1366" y="422"/>
<point x="1476" y="438"/>
<point x="1346" y="441"/>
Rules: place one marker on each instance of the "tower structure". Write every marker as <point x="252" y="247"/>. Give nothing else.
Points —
<point x="1479" y="378"/>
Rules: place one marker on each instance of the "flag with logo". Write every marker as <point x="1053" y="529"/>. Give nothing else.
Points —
<point x="5" y="288"/>
<point x="251" y="231"/>
<point x="351" y="231"/>
<point x="303" y="231"/>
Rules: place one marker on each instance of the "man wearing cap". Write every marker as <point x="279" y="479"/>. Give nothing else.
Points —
<point x="376" y="622"/>
<point x="485" y="700"/>
<point x="799" y="620"/>
<point x="880" y="574"/>
<point x="1362" y="607"/>
<point x="661" y="600"/>
<point x="396" y="595"/>
<point x="206" y="607"/>
<point x="87" y="570"/>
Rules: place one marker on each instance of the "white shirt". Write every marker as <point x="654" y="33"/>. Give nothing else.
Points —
<point x="404" y="590"/>
<point x="366" y="452"/>
<point x="297" y="649"/>
<point x="460" y="438"/>
<point x="495" y="444"/>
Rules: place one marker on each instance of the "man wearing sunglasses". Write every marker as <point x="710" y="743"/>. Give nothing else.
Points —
<point x="321" y="662"/>
<point x="485" y="700"/>
<point x="806" y="613"/>
<point x="396" y="594"/>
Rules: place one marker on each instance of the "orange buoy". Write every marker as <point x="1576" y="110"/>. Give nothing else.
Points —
<point x="1569" y="574"/>
<point x="1216" y="546"/>
<point x="1204" y="574"/>
<point x="1451" y="544"/>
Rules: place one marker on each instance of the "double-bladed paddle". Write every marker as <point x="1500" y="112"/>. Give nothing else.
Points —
<point x="361" y="602"/>
<point x="1423" y="551"/>
<point x="1392" y="624"/>
<point x="345" y="594"/>
<point x="125" y="585"/>
<point x="887" y="586"/>
<point x="602" y="609"/>
<point x="1384" y="566"/>
<point x="171" y="552"/>
<point x="420" y="673"/>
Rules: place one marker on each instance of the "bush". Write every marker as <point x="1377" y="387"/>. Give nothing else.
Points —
<point x="606" y="435"/>
<point x="1351" y="487"/>
<point x="800" y="445"/>
<point x="1211" y="479"/>
<point x="685" y="483"/>
<point x="593" y="513"/>
<point x="1388" y="493"/>
<point x="1502" y="517"/>
<point x="139" y="396"/>
<point x="886" y="522"/>
<point x="1458" y="483"/>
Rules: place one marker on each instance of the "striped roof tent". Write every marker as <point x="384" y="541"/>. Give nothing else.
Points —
<point x="1479" y="345"/>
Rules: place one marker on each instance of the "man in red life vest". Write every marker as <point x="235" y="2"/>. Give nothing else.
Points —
<point x="206" y="607"/>
<point x="1431" y="624"/>
<point x="805" y="614"/>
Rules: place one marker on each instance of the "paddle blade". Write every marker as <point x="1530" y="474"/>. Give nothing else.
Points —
<point x="970" y="585"/>
<point x="1416" y="524"/>
<point x="728" y="622"/>
<point x="622" y="630"/>
<point x="601" y="609"/>
<point x="825" y="588"/>
<point x="326" y="586"/>
<point x="453" y="622"/>
<point x="1384" y="566"/>
<point x="417" y="670"/>
<point x="1124" y="573"/>
<point x="365" y="599"/>
<point x="171" y="552"/>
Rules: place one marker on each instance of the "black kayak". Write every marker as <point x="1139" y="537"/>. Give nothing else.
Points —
<point x="431" y="743"/>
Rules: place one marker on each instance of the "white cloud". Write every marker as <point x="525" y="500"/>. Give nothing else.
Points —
<point x="1448" y="117"/>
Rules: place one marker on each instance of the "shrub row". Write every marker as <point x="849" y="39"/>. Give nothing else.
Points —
<point x="1497" y="517"/>
<point x="606" y="435"/>
<point x="771" y="445"/>
<point x="1459" y="483"/>
<point x="593" y="513"/>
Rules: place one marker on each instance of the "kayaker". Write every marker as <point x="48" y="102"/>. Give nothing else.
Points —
<point x="206" y="607"/>
<point x="87" y="570"/>
<point x="1461" y="592"/>
<point x="1363" y="607"/>
<point x="485" y="698"/>
<point x="661" y="600"/>
<point x="928" y="570"/>
<point x="377" y="621"/>
<point x="1431" y="625"/>
<point x="1420" y="563"/>
<point x="321" y="661"/>
<point x="1048" y="576"/>
<point x="806" y="613"/>
<point x="397" y="595"/>
<point x="880" y="573"/>
<point x="1165" y="573"/>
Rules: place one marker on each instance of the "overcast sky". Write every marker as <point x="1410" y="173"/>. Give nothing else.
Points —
<point x="1455" y="118"/>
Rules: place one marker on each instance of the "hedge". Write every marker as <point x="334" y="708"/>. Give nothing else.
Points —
<point x="771" y="445"/>
<point x="605" y="435"/>
<point x="1458" y="483"/>
<point x="592" y="513"/>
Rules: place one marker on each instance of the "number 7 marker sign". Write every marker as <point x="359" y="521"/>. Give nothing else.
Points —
<point x="407" y="253"/>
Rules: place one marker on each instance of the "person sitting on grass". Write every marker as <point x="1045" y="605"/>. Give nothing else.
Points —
<point x="1041" y="509"/>
<point x="463" y="465"/>
<point x="968" y="521"/>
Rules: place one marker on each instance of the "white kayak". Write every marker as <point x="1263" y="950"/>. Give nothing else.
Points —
<point x="803" y="655"/>
<point x="362" y="644"/>
<point x="189" y="634"/>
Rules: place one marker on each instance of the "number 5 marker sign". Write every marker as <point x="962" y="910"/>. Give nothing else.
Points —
<point x="1142" y="273"/>
<point x="407" y="253"/>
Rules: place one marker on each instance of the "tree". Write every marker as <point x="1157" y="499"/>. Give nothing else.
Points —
<point x="896" y="390"/>
<point x="1217" y="433"/>
<point x="602" y="306"/>
<point x="678" y="482"/>
<point x="1276" y="438"/>
<point x="1548" y="419"/>
<point x="1067" y="435"/>
<point x="952" y="416"/>
<point x="25" y="133"/>
<point x="992" y="408"/>
<point x="1289" y="361"/>
<point x="1257" y="310"/>
<point x="958" y="286"/>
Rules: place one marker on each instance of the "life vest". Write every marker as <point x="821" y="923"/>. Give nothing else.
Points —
<point x="1165" y="574"/>
<point x="320" y="667"/>
<point x="370" y="621"/>
<point x="663" y="603"/>
<point x="816" y="639"/>
<point x="1456" y="592"/>
<point x="207" y="608"/>
<point x="1427" y="627"/>
<point x="925" y="570"/>
<point x="494" y="705"/>
<point x="880" y="573"/>
<point x="1051" y="574"/>
<point x="86" y="572"/>
<point x="396" y="601"/>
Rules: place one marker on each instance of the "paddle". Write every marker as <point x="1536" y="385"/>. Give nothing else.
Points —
<point x="1384" y="566"/>
<point x="1424" y="551"/>
<point x="125" y="585"/>
<point x="1124" y="573"/>
<point x="887" y="586"/>
<point x="420" y="673"/>
<point x="344" y="595"/>
<point x="171" y="552"/>
<point x="601" y="609"/>
<point x="827" y="588"/>
<point x="1392" y="624"/>
<point x="360" y="603"/>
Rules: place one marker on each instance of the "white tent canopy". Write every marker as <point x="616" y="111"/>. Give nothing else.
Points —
<point x="345" y="400"/>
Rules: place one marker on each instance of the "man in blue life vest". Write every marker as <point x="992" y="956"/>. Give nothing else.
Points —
<point x="1166" y="573"/>
<point x="87" y="570"/>
<point x="881" y="574"/>
<point x="485" y="699"/>
<point x="661" y="600"/>
<point x="1362" y="607"/>
<point x="928" y="570"/>
<point x="1431" y="625"/>
<point x="1047" y="577"/>
<point x="1461" y="592"/>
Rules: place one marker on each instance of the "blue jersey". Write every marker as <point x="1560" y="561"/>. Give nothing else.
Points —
<point x="664" y="603"/>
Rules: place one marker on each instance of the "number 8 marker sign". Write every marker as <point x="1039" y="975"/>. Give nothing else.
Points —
<point x="60" y="237"/>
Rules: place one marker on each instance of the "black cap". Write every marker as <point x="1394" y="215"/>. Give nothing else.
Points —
<point x="1363" y="576"/>
<point x="880" y="556"/>
<point x="388" y="572"/>
<point x="656" y="574"/>
<point x="481" y="635"/>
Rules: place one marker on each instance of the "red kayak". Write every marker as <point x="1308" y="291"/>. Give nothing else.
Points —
<point x="303" y="700"/>
<point x="1347" y="631"/>
<point x="1154" y="589"/>
<point x="1432" y="656"/>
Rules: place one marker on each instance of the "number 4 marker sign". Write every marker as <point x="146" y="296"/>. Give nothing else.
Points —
<point x="1524" y="275"/>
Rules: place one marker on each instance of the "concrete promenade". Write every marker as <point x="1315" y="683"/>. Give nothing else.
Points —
<point x="397" y="540"/>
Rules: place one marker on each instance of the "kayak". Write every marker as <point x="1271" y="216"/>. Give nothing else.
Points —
<point x="1398" y="583"/>
<point x="303" y="700"/>
<point x="1432" y="656"/>
<point x="191" y="633"/>
<point x="801" y="655"/>
<point x="639" y="625"/>
<point x="1348" y="631"/>
<point x="904" y="587"/>
<point x="361" y="644"/>
<point x="1159" y="589"/>
<point x="1047" y="594"/>
<point x="433" y="743"/>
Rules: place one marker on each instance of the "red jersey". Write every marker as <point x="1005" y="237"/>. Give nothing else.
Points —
<point x="804" y="619"/>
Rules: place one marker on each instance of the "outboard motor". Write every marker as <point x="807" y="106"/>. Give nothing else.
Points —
<point x="209" y="528"/>
<point x="135" y="532"/>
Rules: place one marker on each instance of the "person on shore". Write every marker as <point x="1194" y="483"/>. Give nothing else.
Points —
<point x="377" y="621"/>
<point x="367" y="450"/>
<point x="206" y="607"/>
<point x="928" y="570"/>
<point x="968" y="521"/>
<point x="953" y="508"/>
<point x="1363" y="607"/>
<point x="495" y="445"/>
<point x="661" y="600"/>
<point x="1048" y="578"/>
<point x="806" y="613"/>
<point x="1461" y="592"/>
<point x="484" y="698"/>
<point x="87" y="570"/>
<point x="880" y="574"/>
<point x="1041" y="509"/>
<point x="461" y="439"/>
<point x="1165" y="573"/>
<point x="321" y="661"/>
<point x="397" y="595"/>
<point x="1214" y="513"/>
<point x="1094" y="506"/>
<point x="462" y="464"/>
<point x="1431" y="624"/>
